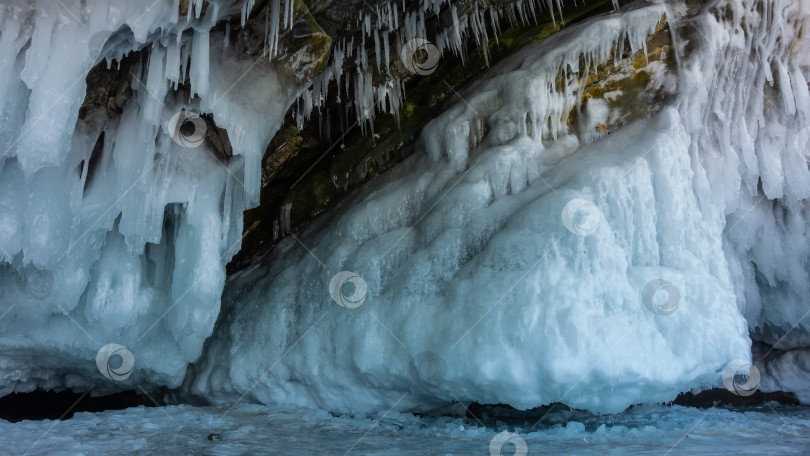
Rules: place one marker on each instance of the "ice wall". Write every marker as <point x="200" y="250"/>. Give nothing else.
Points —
<point x="514" y="259"/>
<point x="126" y="246"/>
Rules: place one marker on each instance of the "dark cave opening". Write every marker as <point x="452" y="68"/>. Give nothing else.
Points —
<point x="52" y="405"/>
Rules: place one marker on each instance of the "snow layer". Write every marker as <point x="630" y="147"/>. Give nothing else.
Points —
<point x="252" y="429"/>
<point x="134" y="252"/>
<point x="511" y="260"/>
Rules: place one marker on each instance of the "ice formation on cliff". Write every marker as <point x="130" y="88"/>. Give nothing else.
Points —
<point x="484" y="285"/>
<point x="130" y="248"/>
<point x="513" y="258"/>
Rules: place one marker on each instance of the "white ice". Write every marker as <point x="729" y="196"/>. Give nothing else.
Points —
<point x="135" y="253"/>
<point x="530" y="263"/>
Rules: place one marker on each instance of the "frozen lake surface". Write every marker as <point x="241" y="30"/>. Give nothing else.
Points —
<point x="252" y="429"/>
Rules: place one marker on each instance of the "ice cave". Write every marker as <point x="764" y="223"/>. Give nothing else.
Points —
<point x="401" y="227"/>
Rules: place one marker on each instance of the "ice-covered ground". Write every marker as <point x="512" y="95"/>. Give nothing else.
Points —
<point x="770" y="429"/>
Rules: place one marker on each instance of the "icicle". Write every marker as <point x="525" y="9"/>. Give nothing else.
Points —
<point x="227" y="39"/>
<point x="285" y="218"/>
<point x="266" y="32"/>
<point x="493" y="18"/>
<point x="366" y="25"/>
<point x="198" y="71"/>
<point x="173" y="63"/>
<point x="292" y="13"/>
<point x="337" y="64"/>
<point x="455" y="35"/>
<point x="396" y="17"/>
<point x="274" y="22"/>
<point x="247" y="7"/>
<point x="377" y="49"/>
<point x="183" y="62"/>
<point x="551" y="11"/>
<point x="421" y="31"/>
<point x="198" y="6"/>
<point x="363" y="55"/>
<point x="530" y="4"/>
<point x="387" y="56"/>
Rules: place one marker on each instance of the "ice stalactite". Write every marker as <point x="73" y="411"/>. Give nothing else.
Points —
<point x="114" y="228"/>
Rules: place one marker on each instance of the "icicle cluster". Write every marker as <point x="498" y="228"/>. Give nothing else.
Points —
<point x="390" y="29"/>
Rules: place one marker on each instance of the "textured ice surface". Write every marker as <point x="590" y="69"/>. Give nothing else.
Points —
<point x="512" y="259"/>
<point x="252" y="429"/>
<point x="501" y="266"/>
<point x="134" y="253"/>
